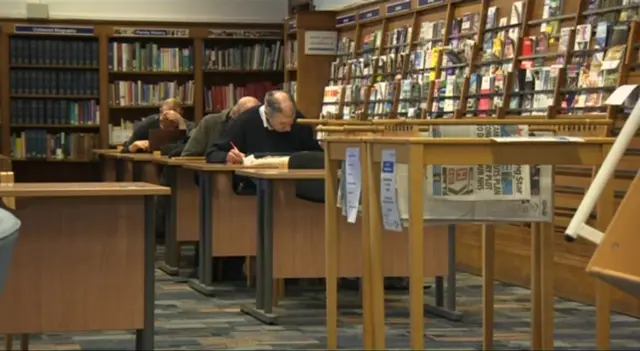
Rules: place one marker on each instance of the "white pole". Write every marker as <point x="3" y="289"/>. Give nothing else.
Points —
<point x="604" y="174"/>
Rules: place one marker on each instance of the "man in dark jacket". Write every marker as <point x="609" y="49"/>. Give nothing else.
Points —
<point x="212" y="127"/>
<point x="170" y="117"/>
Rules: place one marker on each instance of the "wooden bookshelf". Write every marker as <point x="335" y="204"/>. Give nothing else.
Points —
<point x="435" y="99"/>
<point x="92" y="78"/>
<point x="306" y="75"/>
<point x="227" y="76"/>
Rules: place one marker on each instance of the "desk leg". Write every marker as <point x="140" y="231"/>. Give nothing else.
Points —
<point x="263" y="310"/>
<point x="145" y="336"/>
<point x="488" y="266"/>
<point x="171" y="264"/>
<point x="136" y="171"/>
<point x="536" y="288"/>
<point x="119" y="170"/>
<point x="449" y="311"/>
<point x="204" y="283"/>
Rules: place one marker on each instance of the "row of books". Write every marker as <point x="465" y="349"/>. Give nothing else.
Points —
<point x="54" y="112"/>
<point x="55" y="52"/>
<point x="39" y="144"/>
<point x="139" y="93"/>
<point x="149" y="57"/>
<point x="262" y="57"/>
<point x="222" y="97"/>
<point x="53" y="82"/>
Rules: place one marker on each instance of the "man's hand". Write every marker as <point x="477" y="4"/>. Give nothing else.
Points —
<point x="235" y="157"/>
<point x="140" y="145"/>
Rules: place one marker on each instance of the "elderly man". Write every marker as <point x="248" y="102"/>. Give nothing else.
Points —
<point x="169" y="117"/>
<point x="213" y="127"/>
<point x="270" y="128"/>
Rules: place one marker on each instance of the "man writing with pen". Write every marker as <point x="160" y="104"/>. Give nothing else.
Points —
<point x="267" y="129"/>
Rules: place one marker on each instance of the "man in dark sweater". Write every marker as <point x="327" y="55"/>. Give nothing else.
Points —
<point x="270" y="128"/>
<point x="214" y="126"/>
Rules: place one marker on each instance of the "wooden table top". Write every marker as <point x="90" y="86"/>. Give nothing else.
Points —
<point x="218" y="167"/>
<point x="298" y="174"/>
<point x="179" y="161"/>
<point x="104" y="151"/>
<point x="81" y="189"/>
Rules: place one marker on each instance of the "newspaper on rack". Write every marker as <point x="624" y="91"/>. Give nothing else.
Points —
<point x="479" y="182"/>
<point x="532" y="200"/>
<point x="520" y="192"/>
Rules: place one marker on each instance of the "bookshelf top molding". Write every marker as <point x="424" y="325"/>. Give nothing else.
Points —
<point x="150" y="32"/>
<point x="55" y="30"/>
<point x="380" y="10"/>
<point x="142" y="30"/>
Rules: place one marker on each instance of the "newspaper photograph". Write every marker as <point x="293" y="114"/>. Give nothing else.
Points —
<point x="479" y="182"/>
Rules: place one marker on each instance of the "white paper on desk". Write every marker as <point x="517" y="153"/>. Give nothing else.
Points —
<point x="620" y="95"/>
<point x="388" y="196"/>
<point x="516" y="139"/>
<point x="353" y="186"/>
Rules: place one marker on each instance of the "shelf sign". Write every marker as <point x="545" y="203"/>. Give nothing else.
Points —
<point x="320" y="42"/>
<point x="151" y="32"/>
<point x="346" y="19"/>
<point x="293" y="25"/>
<point x="53" y="30"/>
<point x="399" y="6"/>
<point x="369" y="14"/>
<point x="422" y="3"/>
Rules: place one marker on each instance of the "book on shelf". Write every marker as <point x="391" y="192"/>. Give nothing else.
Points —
<point x="291" y="88"/>
<point x="149" y="57"/>
<point x="138" y="93"/>
<point x="39" y="144"/>
<point x="118" y="135"/>
<point x="54" y="52"/>
<point x="218" y="98"/>
<point x="54" y="112"/>
<point x="256" y="57"/>
<point x="53" y="82"/>
<point x="292" y="53"/>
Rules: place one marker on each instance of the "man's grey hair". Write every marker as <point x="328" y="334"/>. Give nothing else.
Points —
<point x="273" y="105"/>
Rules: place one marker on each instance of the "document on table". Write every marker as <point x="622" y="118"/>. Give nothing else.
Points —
<point x="388" y="196"/>
<point x="353" y="186"/>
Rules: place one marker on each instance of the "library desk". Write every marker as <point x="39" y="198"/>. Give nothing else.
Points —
<point x="182" y="224"/>
<point x="224" y="230"/>
<point x="139" y="167"/>
<point x="84" y="261"/>
<point x="419" y="152"/>
<point x="292" y="238"/>
<point x="109" y="160"/>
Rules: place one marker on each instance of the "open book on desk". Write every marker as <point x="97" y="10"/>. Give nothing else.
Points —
<point x="267" y="161"/>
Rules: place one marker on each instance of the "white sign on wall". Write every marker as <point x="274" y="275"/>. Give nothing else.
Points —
<point x="320" y="42"/>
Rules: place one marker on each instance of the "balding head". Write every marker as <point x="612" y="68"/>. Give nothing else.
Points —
<point x="280" y="110"/>
<point x="244" y="104"/>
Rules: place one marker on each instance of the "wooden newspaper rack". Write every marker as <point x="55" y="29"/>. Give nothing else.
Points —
<point x="418" y="152"/>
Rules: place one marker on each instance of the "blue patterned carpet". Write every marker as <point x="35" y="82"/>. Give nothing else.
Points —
<point x="187" y="320"/>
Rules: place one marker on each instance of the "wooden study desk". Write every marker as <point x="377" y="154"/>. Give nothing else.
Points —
<point x="84" y="261"/>
<point x="292" y="240"/>
<point x="419" y="152"/>
<point x="139" y="167"/>
<point x="108" y="159"/>
<point x="224" y="229"/>
<point x="182" y="225"/>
